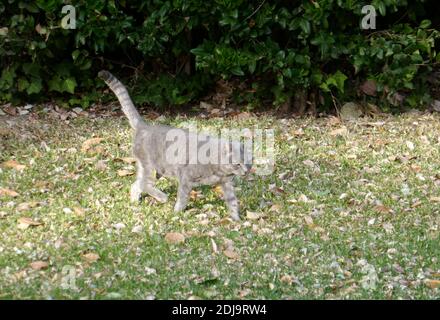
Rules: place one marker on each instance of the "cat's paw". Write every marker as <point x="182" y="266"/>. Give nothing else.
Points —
<point x="161" y="197"/>
<point x="135" y="194"/>
<point x="235" y="217"/>
<point x="178" y="207"/>
<point x="135" y="197"/>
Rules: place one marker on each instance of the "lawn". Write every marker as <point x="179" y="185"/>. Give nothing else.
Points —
<point x="350" y="212"/>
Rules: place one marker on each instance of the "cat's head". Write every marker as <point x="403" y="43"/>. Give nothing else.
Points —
<point x="238" y="159"/>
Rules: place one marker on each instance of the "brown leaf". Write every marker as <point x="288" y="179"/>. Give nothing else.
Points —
<point x="231" y="254"/>
<point x="253" y="215"/>
<point x="27" y="205"/>
<point x="127" y="160"/>
<point x="88" y="144"/>
<point x="80" y="212"/>
<point x="8" y="192"/>
<point x="275" y="208"/>
<point x="124" y="173"/>
<point x="339" y="132"/>
<point x="225" y="221"/>
<point x="24" y="223"/>
<point x="433" y="284"/>
<point x="218" y="190"/>
<point x="174" y="237"/>
<point x="286" y="279"/>
<point x="434" y="199"/>
<point x="382" y="209"/>
<point x="369" y="88"/>
<point x="309" y="221"/>
<point x="39" y="265"/>
<point x="10" y="109"/>
<point x="91" y="257"/>
<point x="12" y="164"/>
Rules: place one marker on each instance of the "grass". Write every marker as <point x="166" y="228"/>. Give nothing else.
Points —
<point x="351" y="212"/>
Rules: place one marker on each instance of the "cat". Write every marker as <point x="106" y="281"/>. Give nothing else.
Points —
<point x="153" y="145"/>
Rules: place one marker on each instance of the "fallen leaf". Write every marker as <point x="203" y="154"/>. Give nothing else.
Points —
<point x="275" y="208"/>
<point x="369" y="87"/>
<point x="225" y="221"/>
<point x="128" y="160"/>
<point x="39" y="265"/>
<point x="309" y="221"/>
<point x="339" y="132"/>
<point x="174" y="237"/>
<point x="12" y="164"/>
<point x="80" y="212"/>
<point x="24" y="223"/>
<point x="214" y="246"/>
<point x="91" y="257"/>
<point x="382" y="209"/>
<point x="101" y="165"/>
<point x="218" y="190"/>
<point x="252" y="215"/>
<point x="231" y="254"/>
<point x="434" y="199"/>
<point x="88" y="144"/>
<point x="286" y="279"/>
<point x="124" y="173"/>
<point x="137" y="229"/>
<point x="119" y="226"/>
<point x="8" y="192"/>
<point x="244" y="293"/>
<point x="27" y="205"/>
<point x="433" y="284"/>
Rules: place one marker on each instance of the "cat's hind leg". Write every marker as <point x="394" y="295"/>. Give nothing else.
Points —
<point x="183" y="192"/>
<point x="231" y="200"/>
<point x="145" y="183"/>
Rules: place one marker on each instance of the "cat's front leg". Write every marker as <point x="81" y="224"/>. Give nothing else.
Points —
<point x="231" y="200"/>
<point x="182" y="196"/>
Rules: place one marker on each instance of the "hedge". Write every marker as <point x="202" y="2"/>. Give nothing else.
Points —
<point x="173" y="52"/>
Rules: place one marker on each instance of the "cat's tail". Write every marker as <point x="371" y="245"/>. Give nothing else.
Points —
<point x="124" y="98"/>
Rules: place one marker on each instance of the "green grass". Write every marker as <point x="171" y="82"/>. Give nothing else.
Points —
<point x="340" y="243"/>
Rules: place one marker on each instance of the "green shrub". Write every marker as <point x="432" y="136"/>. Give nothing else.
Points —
<point x="175" y="50"/>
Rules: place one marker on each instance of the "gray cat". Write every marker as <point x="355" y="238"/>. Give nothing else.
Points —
<point x="158" y="151"/>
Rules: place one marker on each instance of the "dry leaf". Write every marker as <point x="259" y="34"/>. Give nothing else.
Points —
<point x="24" y="223"/>
<point x="231" y="254"/>
<point x="194" y="194"/>
<point x="214" y="246"/>
<point x="369" y="88"/>
<point x="218" y="190"/>
<point x="8" y="192"/>
<point x="275" y="208"/>
<point x="80" y="212"/>
<point x="174" y="237"/>
<point x="39" y="265"/>
<point x="124" y="173"/>
<point x="434" y="199"/>
<point x="309" y="221"/>
<point x="12" y="164"/>
<point x="88" y="144"/>
<point x="339" y="132"/>
<point x="90" y="257"/>
<point x="286" y="279"/>
<point x="382" y="209"/>
<point x="27" y="205"/>
<point x="225" y="221"/>
<point x="252" y="215"/>
<point x="433" y="284"/>
<point x="128" y="160"/>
